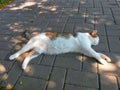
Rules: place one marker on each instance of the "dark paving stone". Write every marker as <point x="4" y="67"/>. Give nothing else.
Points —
<point x="113" y="30"/>
<point x="68" y="62"/>
<point x="84" y="27"/>
<point x="3" y="54"/>
<point x="13" y="76"/>
<point x="38" y="71"/>
<point x="48" y="60"/>
<point x="114" y="43"/>
<point x="57" y="79"/>
<point x="72" y="87"/>
<point x="112" y="68"/>
<point x="100" y="29"/>
<point x="27" y="83"/>
<point x="84" y="79"/>
<point x="94" y="11"/>
<point x="108" y="82"/>
<point x="103" y="45"/>
<point x="111" y="4"/>
<point x="69" y="27"/>
<point x="89" y="65"/>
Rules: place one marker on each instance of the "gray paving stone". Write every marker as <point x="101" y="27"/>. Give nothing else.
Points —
<point x="104" y="19"/>
<point x="101" y="29"/>
<point x="108" y="82"/>
<point x="6" y="45"/>
<point x="113" y="30"/>
<point x="117" y="19"/>
<point x="13" y="76"/>
<point x="83" y="27"/>
<point x="111" y="4"/>
<point x="38" y="71"/>
<point x="94" y="11"/>
<point x="82" y="11"/>
<point x="89" y="65"/>
<point x="72" y="87"/>
<point x="86" y="4"/>
<point x="107" y="11"/>
<point x="57" y="79"/>
<point x="111" y="68"/>
<point x="27" y="83"/>
<point x="84" y="79"/>
<point x="116" y="11"/>
<point x="69" y="27"/>
<point x="103" y="45"/>
<point x="114" y="43"/>
<point x="3" y="54"/>
<point x="48" y="60"/>
<point x="77" y="19"/>
<point x="68" y="62"/>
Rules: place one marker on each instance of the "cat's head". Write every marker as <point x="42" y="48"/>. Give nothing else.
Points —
<point x="94" y="39"/>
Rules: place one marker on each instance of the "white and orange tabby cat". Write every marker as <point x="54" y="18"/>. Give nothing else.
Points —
<point x="57" y="43"/>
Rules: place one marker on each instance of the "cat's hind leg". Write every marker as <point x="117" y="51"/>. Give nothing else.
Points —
<point x="29" y="58"/>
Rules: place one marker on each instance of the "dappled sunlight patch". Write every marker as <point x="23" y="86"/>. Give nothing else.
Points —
<point x="2" y="68"/>
<point x="23" y="5"/>
<point x="51" y="84"/>
<point x="4" y="77"/>
<point x="9" y="86"/>
<point x="80" y="58"/>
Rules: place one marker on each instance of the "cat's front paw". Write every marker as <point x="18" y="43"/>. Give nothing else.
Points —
<point x="106" y="58"/>
<point x="102" y="61"/>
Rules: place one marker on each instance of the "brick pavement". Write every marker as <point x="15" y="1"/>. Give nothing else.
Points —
<point x="67" y="71"/>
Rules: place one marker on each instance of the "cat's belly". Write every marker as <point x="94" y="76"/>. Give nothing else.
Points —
<point x="63" y="46"/>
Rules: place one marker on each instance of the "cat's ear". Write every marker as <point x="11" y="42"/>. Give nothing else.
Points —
<point x="93" y="33"/>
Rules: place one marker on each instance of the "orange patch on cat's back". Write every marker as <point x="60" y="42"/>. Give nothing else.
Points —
<point x="53" y="35"/>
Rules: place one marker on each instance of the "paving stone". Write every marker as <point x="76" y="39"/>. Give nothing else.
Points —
<point x="55" y="27"/>
<point x="69" y="27"/>
<point x="116" y="11"/>
<point x="100" y="29"/>
<point x="3" y="54"/>
<point x="79" y="19"/>
<point x="13" y="76"/>
<point x="57" y="78"/>
<point x="114" y="43"/>
<point x="38" y="71"/>
<point x="86" y="4"/>
<point x="108" y="82"/>
<point x="4" y="38"/>
<point x="84" y="79"/>
<point x="94" y="11"/>
<point x="89" y="65"/>
<point x="104" y="19"/>
<point x="6" y="45"/>
<point x="82" y="11"/>
<point x="111" y="68"/>
<point x="111" y="4"/>
<point x="107" y="11"/>
<point x="69" y="11"/>
<point x="68" y="62"/>
<point x="103" y="45"/>
<point x="117" y="19"/>
<point x="113" y="30"/>
<point x="26" y="83"/>
<point x="48" y="60"/>
<point x="72" y="87"/>
<point x="84" y="27"/>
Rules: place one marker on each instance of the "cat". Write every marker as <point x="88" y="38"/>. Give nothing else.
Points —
<point x="58" y="43"/>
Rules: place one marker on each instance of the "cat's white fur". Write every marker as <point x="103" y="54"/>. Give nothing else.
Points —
<point x="81" y="43"/>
